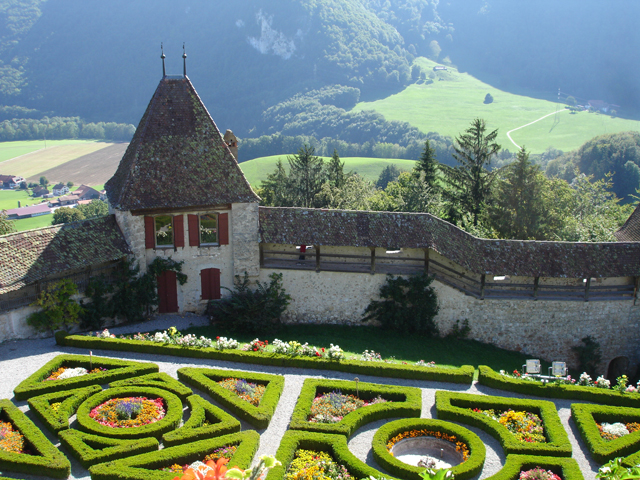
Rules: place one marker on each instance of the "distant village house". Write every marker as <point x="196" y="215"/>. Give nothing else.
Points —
<point x="28" y="212"/>
<point x="10" y="181"/>
<point x="60" y="189"/>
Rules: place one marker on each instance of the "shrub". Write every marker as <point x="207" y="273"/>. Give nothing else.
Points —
<point x="488" y="98"/>
<point x="408" y="304"/>
<point x="69" y="400"/>
<point x="247" y="310"/>
<point x="99" y="307"/>
<point x="565" y="468"/>
<point x="58" y="308"/>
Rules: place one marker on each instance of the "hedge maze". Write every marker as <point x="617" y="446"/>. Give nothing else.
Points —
<point x="126" y="420"/>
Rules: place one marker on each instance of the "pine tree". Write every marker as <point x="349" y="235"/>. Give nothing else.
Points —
<point x="470" y="182"/>
<point x="306" y="176"/>
<point x="335" y="171"/>
<point x="428" y="165"/>
<point x="274" y="190"/>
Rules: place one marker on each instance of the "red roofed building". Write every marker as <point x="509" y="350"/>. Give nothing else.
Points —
<point x="27" y="212"/>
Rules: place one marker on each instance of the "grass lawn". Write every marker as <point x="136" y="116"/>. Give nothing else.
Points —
<point x="9" y="199"/>
<point x="34" y="222"/>
<point x="40" y="160"/>
<point x="449" y="105"/>
<point x="404" y="347"/>
<point x="257" y="169"/>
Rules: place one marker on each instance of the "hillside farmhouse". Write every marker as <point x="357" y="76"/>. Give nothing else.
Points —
<point x="179" y="193"/>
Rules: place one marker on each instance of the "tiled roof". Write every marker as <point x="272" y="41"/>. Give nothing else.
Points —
<point x="27" y="257"/>
<point x="177" y="157"/>
<point x="22" y="211"/>
<point x="298" y="226"/>
<point x="630" y="231"/>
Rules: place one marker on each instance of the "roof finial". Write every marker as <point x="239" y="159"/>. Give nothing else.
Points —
<point x="184" y="60"/>
<point x="164" y="73"/>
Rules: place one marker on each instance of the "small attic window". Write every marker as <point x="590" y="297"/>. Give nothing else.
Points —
<point x="164" y="230"/>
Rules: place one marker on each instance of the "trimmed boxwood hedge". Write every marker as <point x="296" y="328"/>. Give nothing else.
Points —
<point x="468" y="469"/>
<point x="47" y="460"/>
<point x="145" y="466"/>
<point x="117" y="369"/>
<point x="206" y="380"/>
<point x="405" y="402"/>
<point x="334" y="445"/>
<point x="221" y="423"/>
<point x="56" y="420"/>
<point x="170" y="421"/>
<point x="92" y="449"/>
<point x="462" y="374"/>
<point x="456" y="407"/>
<point x="489" y="377"/>
<point x="160" y="380"/>
<point x="585" y="415"/>
<point x="565" y="468"/>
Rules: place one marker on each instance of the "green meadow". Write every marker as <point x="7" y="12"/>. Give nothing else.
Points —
<point x="449" y="104"/>
<point x="256" y="170"/>
<point x="10" y="150"/>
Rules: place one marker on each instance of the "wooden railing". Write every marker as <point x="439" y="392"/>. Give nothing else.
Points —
<point x="478" y="286"/>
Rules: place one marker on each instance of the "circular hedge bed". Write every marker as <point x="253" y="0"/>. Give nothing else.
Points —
<point x="471" y="467"/>
<point x="129" y="411"/>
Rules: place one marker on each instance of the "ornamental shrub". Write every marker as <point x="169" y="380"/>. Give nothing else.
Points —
<point x="253" y="311"/>
<point x="58" y="308"/>
<point x="408" y="304"/>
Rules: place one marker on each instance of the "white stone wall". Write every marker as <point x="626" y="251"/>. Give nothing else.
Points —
<point x="244" y="237"/>
<point x="13" y="324"/>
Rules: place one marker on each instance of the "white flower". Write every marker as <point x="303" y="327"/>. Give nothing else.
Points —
<point x="335" y="352"/>
<point x="72" y="372"/>
<point x="585" y="379"/>
<point x="617" y="429"/>
<point x="223" y="343"/>
<point x="602" y="382"/>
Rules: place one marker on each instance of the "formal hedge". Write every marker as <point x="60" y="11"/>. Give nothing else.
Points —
<point x="92" y="449"/>
<point x="489" y="377"/>
<point x="116" y="370"/>
<point x="404" y="402"/>
<point x="586" y="415"/>
<point x="147" y="465"/>
<point x="334" y="445"/>
<point x="565" y="468"/>
<point x="160" y="380"/>
<point x="46" y="459"/>
<point x="462" y="374"/>
<point x="70" y="400"/>
<point x="206" y="380"/>
<point x="171" y="420"/>
<point x="457" y="407"/>
<point x="221" y="423"/>
<point x="468" y="469"/>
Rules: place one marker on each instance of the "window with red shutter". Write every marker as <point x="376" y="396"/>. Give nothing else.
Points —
<point x="178" y="231"/>
<point x="223" y="227"/>
<point x="210" y="283"/>
<point x="149" y="232"/>
<point x="194" y="230"/>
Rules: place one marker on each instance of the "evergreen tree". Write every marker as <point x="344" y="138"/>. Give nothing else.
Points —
<point x="274" y="191"/>
<point x="428" y="165"/>
<point x="306" y="176"/>
<point x="335" y="171"/>
<point x="521" y="208"/>
<point x="470" y="182"/>
<point x="389" y="174"/>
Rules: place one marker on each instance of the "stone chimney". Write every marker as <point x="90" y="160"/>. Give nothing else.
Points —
<point x="232" y="142"/>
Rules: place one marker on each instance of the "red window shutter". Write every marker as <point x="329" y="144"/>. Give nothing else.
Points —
<point x="194" y="231"/>
<point x="223" y="228"/>
<point x="178" y="231"/>
<point x="210" y="283"/>
<point x="149" y="233"/>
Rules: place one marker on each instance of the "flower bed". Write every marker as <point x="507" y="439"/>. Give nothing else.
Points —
<point x="63" y="373"/>
<point x="525" y="426"/>
<point x="466" y="442"/>
<point x="225" y="453"/>
<point x="129" y="412"/>
<point x="538" y="474"/>
<point x="315" y="400"/>
<point x="247" y="391"/>
<point x="312" y="464"/>
<point x="516" y="465"/>
<point x="11" y="440"/>
<point x="460" y="407"/>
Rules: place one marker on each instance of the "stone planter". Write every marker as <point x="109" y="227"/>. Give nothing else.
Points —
<point x="415" y="450"/>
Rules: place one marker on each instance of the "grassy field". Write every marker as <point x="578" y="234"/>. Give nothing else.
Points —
<point x="9" y="199"/>
<point x="9" y="150"/>
<point x="35" y="222"/>
<point x="39" y="160"/>
<point x="449" y="105"/>
<point x="257" y="169"/>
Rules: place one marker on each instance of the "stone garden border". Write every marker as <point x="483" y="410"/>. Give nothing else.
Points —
<point x="406" y="401"/>
<point x="206" y="380"/>
<point x="456" y="407"/>
<point x="464" y="471"/>
<point x="171" y="420"/>
<point x="118" y="369"/>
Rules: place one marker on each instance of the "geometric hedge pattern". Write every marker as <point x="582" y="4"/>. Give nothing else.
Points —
<point x="202" y="426"/>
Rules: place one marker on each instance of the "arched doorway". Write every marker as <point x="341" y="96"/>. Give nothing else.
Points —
<point x="617" y="367"/>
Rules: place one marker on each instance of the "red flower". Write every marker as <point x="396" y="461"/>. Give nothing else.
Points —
<point x="318" y="354"/>
<point x="322" y="349"/>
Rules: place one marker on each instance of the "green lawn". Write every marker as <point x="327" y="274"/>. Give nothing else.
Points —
<point x="34" y="222"/>
<point x="449" y="106"/>
<point x="389" y="343"/>
<point x="257" y="169"/>
<point x="9" y="199"/>
<point x="10" y="150"/>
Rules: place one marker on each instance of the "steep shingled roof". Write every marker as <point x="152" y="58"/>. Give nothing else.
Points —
<point x="177" y="157"/>
<point x="630" y="231"/>
<point x="297" y="226"/>
<point x="26" y="257"/>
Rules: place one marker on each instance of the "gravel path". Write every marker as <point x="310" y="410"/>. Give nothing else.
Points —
<point x="21" y="358"/>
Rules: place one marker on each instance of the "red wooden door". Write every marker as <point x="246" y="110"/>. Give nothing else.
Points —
<point x="168" y="292"/>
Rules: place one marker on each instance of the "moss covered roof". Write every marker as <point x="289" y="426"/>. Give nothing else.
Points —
<point x="26" y="257"/>
<point x="177" y="157"/>
<point x="297" y="226"/>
